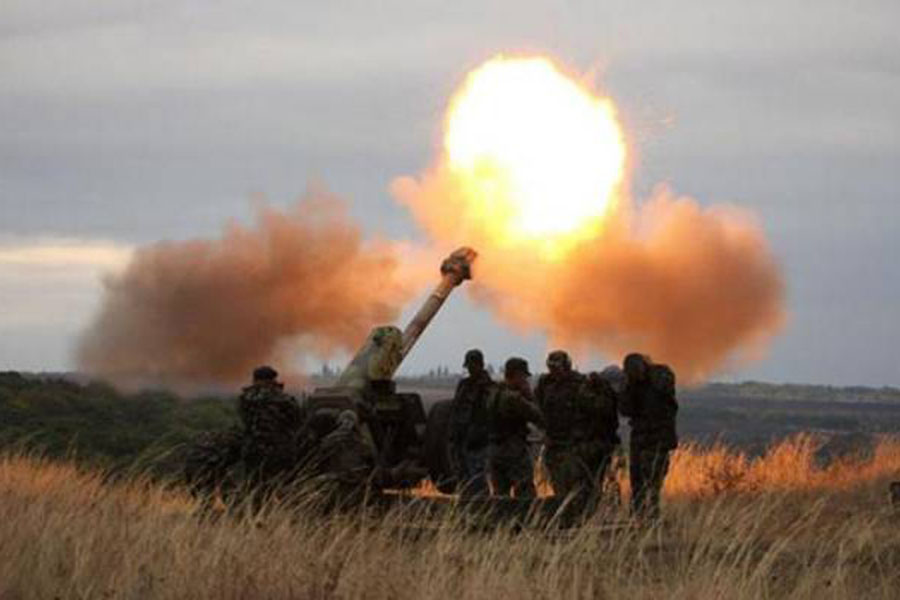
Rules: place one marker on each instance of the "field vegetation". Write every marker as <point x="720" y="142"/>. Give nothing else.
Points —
<point x="779" y="525"/>
<point x="95" y="424"/>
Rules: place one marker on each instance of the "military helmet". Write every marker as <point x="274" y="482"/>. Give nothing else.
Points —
<point x="615" y="376"/>
<point x="473" y="357"/>
<point x="516" y="365"/>
<point x="348" y="419"/>
<point x="560" y="359"/>
<point x="635" y="364"/>
<point x="265" y="373"/>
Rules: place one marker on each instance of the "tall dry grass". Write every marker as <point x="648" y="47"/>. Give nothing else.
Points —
<point x="775" y="527"/>
<point x="791" y="465"/>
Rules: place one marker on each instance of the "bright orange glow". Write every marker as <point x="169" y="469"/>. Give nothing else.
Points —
<point x="539" y="156"/>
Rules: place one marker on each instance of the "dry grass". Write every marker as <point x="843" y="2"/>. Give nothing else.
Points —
<point x="787" y="466"/>
<point x="776" y="527"/>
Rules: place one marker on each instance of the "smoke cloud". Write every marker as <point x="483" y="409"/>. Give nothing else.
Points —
<point x="697" y="288"/>
<point x="301" y="281"/>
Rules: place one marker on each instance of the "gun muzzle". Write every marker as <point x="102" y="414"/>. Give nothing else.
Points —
<point x="455" y="269"/>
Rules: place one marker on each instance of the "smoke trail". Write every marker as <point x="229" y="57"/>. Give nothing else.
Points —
<point x="696" y="288"/>
<point x="207" y="311"/>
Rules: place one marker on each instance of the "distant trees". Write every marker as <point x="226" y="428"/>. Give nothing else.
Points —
<point x="441" y="372"/>
<point x="98" y="424"/>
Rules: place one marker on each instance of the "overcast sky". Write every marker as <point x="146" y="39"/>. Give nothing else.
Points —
<point x="125" y="122"/>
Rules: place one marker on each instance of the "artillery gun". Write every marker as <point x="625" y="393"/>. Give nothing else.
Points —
<point x="397" y="421"/>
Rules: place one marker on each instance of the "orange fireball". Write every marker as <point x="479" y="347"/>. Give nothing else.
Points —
<point x="539" y="156"/>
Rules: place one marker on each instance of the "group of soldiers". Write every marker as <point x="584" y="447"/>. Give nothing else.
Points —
<point x="492" y="425"/>
<point x="279" y="443"/>
<point x="579" y="415"/>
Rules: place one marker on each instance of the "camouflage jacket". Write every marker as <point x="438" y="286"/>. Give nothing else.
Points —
<point x="598" y="416"/>
<point x="345" y="456"/>
<point x="469" y="419"/>
<point x="652" y="407"/>
<point x="268" y="414"/>
<point x="509" y="412"/>
<point x="559" y="398"/>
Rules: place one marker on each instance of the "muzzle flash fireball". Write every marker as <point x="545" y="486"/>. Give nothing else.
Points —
<point x="537" y="155"/>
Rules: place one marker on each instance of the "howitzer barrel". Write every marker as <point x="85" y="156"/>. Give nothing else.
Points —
<point x="384" y="350"/>
<point x="455" y="269"/>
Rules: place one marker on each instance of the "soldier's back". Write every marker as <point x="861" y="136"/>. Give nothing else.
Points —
<point x="654" y="409"/>
<point x="469" y="409"/>
<point x="509" y="412"/>
<point x="267" y="411"/>
<point x="558" y="398"/>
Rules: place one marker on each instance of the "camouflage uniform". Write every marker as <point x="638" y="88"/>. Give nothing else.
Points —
<point x="509" y="462"/>
<point x="557" y="397"/>
<point x="651" y="406"/>
<point x="582" y="426"/>
<point x="345" y="461"/>
<point x="271" y="421"/>
<point x="469" y="432"/>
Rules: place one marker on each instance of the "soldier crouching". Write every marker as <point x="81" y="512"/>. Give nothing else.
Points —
<point x="344" y="465"/>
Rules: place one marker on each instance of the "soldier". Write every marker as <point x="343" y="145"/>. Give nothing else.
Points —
<point x="346" y="461"/>
<point x="510" y="409"/>
<point x="271" y="420"/>
<point x="557" y="396"/>
<point x="649" y="401"/>
<point x="615" y="378"/>
<point x="469" y="425"/>
<point x="596" y="436"/>
<point x="582" y="426"/>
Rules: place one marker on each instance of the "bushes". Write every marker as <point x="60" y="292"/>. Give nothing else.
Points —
<point x="99" y="425"/>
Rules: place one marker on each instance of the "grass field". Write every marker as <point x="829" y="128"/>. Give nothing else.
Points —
<point x="773" y="527"/>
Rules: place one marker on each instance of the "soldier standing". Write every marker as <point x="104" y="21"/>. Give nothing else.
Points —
<point x="649" y="401"/>
<point x="509" y="410"/>
<point x="596" y="436"/>
<point x="557" y="396"/>
<point x="469" y="425"/>
<point x="582" y="425"/>
<point x="271" y="420"/>
<point x="614" y="376"/>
